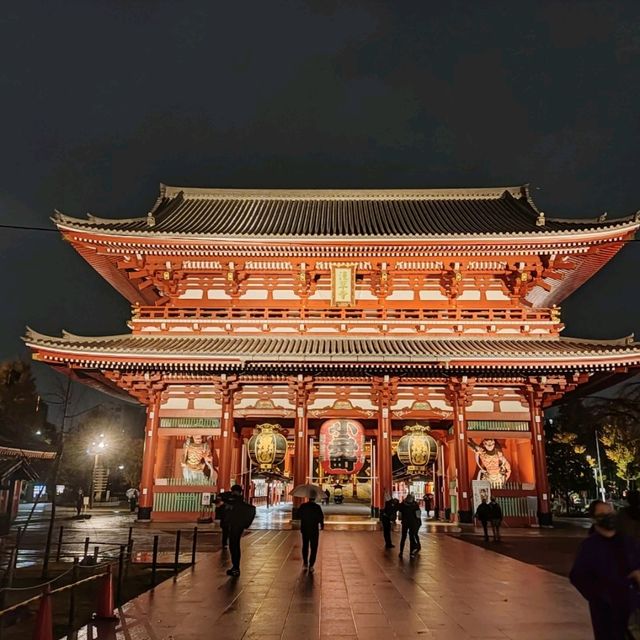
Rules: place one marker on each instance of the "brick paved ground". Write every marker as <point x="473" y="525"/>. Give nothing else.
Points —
<point x="453" y="591"/>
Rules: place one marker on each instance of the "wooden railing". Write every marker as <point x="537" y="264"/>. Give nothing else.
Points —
<point x="346" y="314"/>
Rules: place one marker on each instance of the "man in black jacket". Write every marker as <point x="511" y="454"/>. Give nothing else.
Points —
<point x="388" y="516"/>
<point x="311" y="521"/>
<point x="411" y="521"/>
<point x="222" y="501"/>
<point x="238" y="516"/>
<point x="495" y="513"/>
<point x="483" y="513"/>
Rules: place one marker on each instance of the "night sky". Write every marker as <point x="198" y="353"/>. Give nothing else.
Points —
<point x="102" y="101"/>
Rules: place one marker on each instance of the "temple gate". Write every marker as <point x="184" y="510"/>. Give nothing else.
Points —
<point x="384" y="308"/>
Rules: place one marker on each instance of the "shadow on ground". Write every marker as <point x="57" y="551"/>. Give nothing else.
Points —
<point x="555" y="554"/>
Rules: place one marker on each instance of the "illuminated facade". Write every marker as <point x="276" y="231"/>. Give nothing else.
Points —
<point x="379" y="309"/>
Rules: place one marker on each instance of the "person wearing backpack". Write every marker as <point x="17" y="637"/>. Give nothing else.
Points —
<point x="483" y="513"/>
<point x="238" y="516"/>
<point x="495" y="517"/>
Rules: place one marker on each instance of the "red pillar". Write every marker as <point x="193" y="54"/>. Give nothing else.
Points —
<point x="460" y="446"/>
<point x="226" y="439"/>
<point x="149" y="457"/>
<point x="384" y="388"/>
<point x="301" y="454"/>
<point x="539" y="460"/>
<point x="300" y="387"/>
<point x="384" y="454"/>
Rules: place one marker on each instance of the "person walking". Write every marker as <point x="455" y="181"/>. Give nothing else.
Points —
<point x="311" y="521"/>
<point x="79" y="502"/>
<point x="428" y="504"/>
<point x="606" y="572"/>
<point x="495" y="517"/>
<point x="388" y="516"/>
<point x="483" y="513"/>
<point x="132" y="496"/>
<point x="238" y="517"/>
<point x="222" y="502"/>
<point x="410" y="518"/>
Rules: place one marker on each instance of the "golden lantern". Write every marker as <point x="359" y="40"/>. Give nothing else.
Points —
<point x="268" y="447"/>
<point x="417" y="449"/>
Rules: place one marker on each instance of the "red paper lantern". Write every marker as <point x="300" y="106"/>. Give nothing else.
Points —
<point x="341" y="447"/>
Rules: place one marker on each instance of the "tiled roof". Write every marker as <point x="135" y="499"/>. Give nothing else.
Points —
<point x="339" y="214"/>
<point x="269" y="350"/>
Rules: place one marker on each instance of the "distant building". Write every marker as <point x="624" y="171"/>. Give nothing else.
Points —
<point x="375" y="310"/>
<point x="17" y="468"/>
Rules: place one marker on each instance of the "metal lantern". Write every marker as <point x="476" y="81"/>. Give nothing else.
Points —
<point x="268" y="447"/>
<point x="417" y="449"/>
<point x="341" y="447"/>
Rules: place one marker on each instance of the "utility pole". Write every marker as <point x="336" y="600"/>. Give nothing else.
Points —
<point x="56" y="467"/>
<point x="602" y="491"/>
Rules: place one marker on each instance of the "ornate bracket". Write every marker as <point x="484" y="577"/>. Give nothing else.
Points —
<point x="381" y="284"/>
<point x="451" y="281"/>
<point x="300" y="390"/>
<point x="305" y="282"/>
<point x="145" y="387"/>
<point x="459" y="391"/>
<point x="384" y="390"/>
<point x="234" y="278"/>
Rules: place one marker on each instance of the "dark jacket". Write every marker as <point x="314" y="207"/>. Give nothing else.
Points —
<point x="483" y="512"/>
<point x="311" y="517"/>
<point x="495" y="512"/>
<point x="390" y="510"/>
<point x="239" y="515"/>
<point x="601" y="568"/>
<point x="410" y="515"/>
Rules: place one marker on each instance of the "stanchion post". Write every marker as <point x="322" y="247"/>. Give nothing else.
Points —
<point x="72" y="595"/>
<point x="86" y="548"/>
<point x="6" y="582"/>
<point x="59" y="550"/>
<point x="120" y="571"/>
<point x="194" y="545"/>
<point x="96" y="551"/>
<point x="176" y="558"/>
<point x="11" y="569"/>
<point x="154" y="561"/>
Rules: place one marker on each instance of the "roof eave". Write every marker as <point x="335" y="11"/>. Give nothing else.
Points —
<point x="512" y="238"/>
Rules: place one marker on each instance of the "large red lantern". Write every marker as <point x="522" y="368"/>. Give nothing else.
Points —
<point x="341" y="447"/>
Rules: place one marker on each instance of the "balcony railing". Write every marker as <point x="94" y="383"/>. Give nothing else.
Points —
<point x="200" y="314"/>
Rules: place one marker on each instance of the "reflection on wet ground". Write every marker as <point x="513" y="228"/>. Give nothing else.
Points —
<point x="452" y="591"/>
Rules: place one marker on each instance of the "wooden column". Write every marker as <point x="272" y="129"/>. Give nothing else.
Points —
<point x="300" y="388"/>
<point x="226" y="387"/>
<point x="385" y="390"/>
<point x="147" y="479"/>
<point x="459" y="394"/>
<point x="534" y="397"/>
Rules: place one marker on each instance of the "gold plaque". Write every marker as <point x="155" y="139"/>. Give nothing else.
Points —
<point x="343" y="285"/>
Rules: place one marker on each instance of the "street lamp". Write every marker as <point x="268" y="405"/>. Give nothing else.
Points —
<point x="95" y="450"/>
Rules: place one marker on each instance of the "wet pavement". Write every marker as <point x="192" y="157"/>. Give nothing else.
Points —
<point x="106" y="529"/>
<point x="452" y="591"/>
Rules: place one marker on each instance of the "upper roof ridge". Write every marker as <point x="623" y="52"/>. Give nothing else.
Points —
<point x="485" y="193"/>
